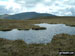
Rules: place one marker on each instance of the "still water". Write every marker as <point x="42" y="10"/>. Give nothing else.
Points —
<point x="38" y="36"/>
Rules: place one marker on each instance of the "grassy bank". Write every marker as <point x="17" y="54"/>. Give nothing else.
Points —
<point x="60" y="42"/>
<point x="28" y="24"/>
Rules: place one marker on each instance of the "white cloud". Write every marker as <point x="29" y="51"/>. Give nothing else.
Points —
<point x="57" y="7"/>
<point x="10" y="5"/>
<point x="3" y="3"/>
<point x="41" y="8"/>
<point x="47" y="0"/>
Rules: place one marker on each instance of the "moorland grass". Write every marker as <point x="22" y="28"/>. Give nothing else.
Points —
<point x="60" y="42"/>
<point x="6" y="24"/>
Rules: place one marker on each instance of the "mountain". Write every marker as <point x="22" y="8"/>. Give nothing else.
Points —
<point x="3" y="16"/>
<point x="27" y="15"/>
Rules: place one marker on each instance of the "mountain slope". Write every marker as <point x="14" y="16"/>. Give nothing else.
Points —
<point x="4" y="16"/>
<point x="27" y="15"/>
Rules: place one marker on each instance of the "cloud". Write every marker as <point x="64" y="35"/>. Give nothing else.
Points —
<point x="57" y="7"/>
<point x="12" y="6"/>
<point x="3" y="10"/>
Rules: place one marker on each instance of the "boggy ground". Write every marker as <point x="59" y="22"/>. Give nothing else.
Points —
<point x="60" y="42"/>
<point x="6" y="24"/>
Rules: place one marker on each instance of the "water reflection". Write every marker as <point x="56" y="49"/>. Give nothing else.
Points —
<point x="40" y="36"/>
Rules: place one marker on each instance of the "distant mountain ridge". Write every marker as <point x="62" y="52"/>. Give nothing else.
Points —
<point x="26" y="15"/>
<point x="3" y="16"/>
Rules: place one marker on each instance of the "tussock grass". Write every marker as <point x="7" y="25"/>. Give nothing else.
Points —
<point x="6" y="24"/>
<point x="60" y="42"/>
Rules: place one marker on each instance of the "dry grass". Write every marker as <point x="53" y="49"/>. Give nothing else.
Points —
<point x="61" y="42"/>
<point x="28" y="24"/>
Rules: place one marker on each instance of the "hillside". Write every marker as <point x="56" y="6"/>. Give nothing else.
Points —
<point x="27" y="15"/>
<point x="4" y="16"/>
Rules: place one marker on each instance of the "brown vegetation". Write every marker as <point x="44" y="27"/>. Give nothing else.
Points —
<point x="60" y="42"/>
<point x="28" y="24"/>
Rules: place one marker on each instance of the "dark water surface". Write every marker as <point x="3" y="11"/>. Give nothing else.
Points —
<point x="38" y="36"/>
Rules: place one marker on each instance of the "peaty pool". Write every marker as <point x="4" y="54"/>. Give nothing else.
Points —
<point x="38" y="36"/>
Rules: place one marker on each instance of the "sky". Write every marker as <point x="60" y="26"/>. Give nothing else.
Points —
<point x="56" y="7"/>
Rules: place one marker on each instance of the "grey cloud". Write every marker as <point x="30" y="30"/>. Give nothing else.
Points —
<point x="4" y="11"/>
<point x="28" y="3"/>
<point x="72" y="10"/>
<point x="58" y="7"/>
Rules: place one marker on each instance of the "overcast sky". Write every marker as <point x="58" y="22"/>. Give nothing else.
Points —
<point x="56" y="7"/>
